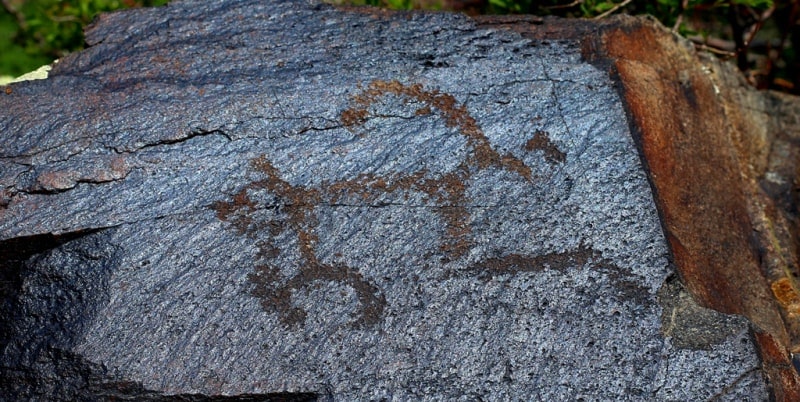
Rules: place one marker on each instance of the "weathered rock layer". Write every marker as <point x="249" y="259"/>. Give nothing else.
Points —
<point x="248" y="200"/>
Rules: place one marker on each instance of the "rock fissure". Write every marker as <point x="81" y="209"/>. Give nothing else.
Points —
<point x="190" y="136"/>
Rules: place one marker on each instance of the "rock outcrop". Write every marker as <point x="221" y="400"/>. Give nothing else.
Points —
<point x="248" y="200"/>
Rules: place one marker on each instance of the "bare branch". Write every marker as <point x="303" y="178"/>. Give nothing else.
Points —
<point x="611" y="11"/>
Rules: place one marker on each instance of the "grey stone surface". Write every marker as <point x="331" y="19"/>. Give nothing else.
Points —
<point x="287" y="200"/>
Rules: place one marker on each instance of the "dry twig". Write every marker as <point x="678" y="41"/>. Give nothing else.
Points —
<point x="614" y="9"/>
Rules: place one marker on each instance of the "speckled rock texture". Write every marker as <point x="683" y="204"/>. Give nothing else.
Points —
<point x="270" y="201"/>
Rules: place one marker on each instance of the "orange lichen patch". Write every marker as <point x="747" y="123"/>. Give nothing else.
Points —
<point x="787" y="295"/>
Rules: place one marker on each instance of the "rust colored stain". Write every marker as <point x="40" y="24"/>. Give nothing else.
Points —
<point x="695" y="174"/>
<point x="701" y="180"/>
<point x="778" y="368"/>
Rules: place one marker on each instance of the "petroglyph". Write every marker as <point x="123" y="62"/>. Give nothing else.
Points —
<point x="541" y="141"/>
<point x="296" y="207"/>
<point x="271" y="205"/>
<point x="513" y="264"/>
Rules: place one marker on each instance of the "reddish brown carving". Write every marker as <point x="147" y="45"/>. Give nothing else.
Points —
<point x="295" y="204"/>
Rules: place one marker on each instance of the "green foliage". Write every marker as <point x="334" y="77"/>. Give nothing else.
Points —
<point x="510" y="6"/>
<point x="667" y="11"/>
<point x="393" y="4"/>
<point x="661" y="9"/>
<point x="35" y="32"/>
<point x="14" y="60"/>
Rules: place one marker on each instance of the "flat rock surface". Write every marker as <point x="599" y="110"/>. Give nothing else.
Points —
<point x="291" y="200"/>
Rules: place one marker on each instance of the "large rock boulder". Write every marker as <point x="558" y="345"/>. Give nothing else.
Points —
<point x="291" y="201"/>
